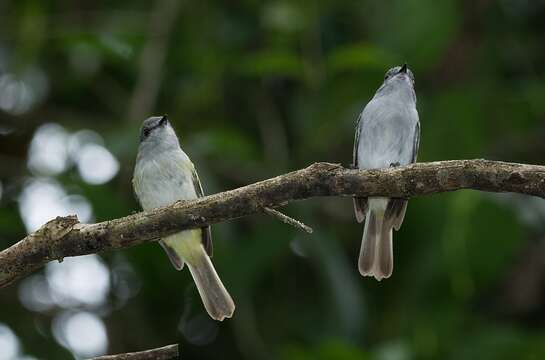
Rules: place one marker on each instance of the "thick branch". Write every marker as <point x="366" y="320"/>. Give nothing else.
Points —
<point x="168" y="352"/>
<point x="66" y="237"/>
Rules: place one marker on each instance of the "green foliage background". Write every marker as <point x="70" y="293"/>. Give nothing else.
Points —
<point x="255" y="89"/>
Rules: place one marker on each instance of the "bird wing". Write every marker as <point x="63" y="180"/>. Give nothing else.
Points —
<point x="135" y="186"/>
<point x="416" y="143"/>
<point x="206" y="233"/>
<point x="360" y="203"/>
<point x="395" y="211"/>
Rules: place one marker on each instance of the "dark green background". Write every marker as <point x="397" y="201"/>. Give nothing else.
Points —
<point x="255" y="89"/>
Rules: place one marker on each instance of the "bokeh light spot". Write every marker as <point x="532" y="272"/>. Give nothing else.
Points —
<point x="48" y="155"/>
<point x="96" y="165"/>
<point x="35" y="294"/>
<point x="43" y="199"/>
<point x="19" y="93"/>
<point x="199" y="329"/>
<point x="82" y="332"/>
<point x="9" y="344"/>
<point x="82" y="280"/>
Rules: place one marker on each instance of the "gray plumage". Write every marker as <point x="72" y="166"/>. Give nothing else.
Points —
<point x="163" y="175"/>
<point x="387" y="135"/>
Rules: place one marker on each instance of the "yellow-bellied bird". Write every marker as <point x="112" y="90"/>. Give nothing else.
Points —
<point x="163" y="175"/>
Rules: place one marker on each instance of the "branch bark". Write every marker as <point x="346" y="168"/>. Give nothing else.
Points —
<point x="65" y="236"/>
<point x="163" y="353"/>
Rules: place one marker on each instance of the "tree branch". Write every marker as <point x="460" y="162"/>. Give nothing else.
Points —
<point x="288" y="220"/>
<point x="163" y="353"/>
<point x="65" y="236"/>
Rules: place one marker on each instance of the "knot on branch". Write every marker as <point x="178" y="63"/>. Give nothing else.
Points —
<point x="324" y="167"/>
<point x="52" y="233"/>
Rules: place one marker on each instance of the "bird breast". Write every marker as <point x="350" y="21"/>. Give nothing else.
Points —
<point x="164" y="179"/>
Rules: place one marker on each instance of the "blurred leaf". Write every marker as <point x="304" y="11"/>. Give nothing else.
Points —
<point x="224" y="142"/>
<point x="325" y="350"/>
<point x="356" y="57"/>
<point x="271" y="63"/>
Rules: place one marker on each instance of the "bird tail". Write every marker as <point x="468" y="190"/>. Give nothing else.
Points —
<point x="376" y="255"/>
<point x="217" y="301"/>
<point x="187" y="246"/>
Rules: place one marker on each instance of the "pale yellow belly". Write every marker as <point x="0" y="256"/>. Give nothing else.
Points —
<point x="187" y="244"/>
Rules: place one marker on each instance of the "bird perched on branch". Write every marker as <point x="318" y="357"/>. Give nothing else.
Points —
<point x="387" y="135"/>
<point x="163" y="175"/>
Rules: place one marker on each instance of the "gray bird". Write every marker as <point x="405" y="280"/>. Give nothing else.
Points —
<point x="387" y="135"/>
<point x="163" y="175"/>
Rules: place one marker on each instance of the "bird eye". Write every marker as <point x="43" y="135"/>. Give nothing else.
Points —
<point x="146" y="132"/>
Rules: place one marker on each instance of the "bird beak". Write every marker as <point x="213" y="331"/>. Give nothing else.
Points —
<point x="403" y="69"/>
<point x="163" y="120"/>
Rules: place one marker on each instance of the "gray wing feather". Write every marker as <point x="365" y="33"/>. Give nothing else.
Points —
<point x="360" y="203"/>
<point x="395" y="212"/>
<point x="206" y="233"/>
<point x="356" y="142"/>
<point x="416" y="142"/>
<point x="135" y="185"/>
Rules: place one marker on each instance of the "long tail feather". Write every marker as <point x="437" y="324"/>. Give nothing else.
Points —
<point x="187" y="246"/>
<point x="217" y="301"/>
<point x="385" y="261"/>
<point x="366" y="261"/>
<point x="376" y="254"/>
